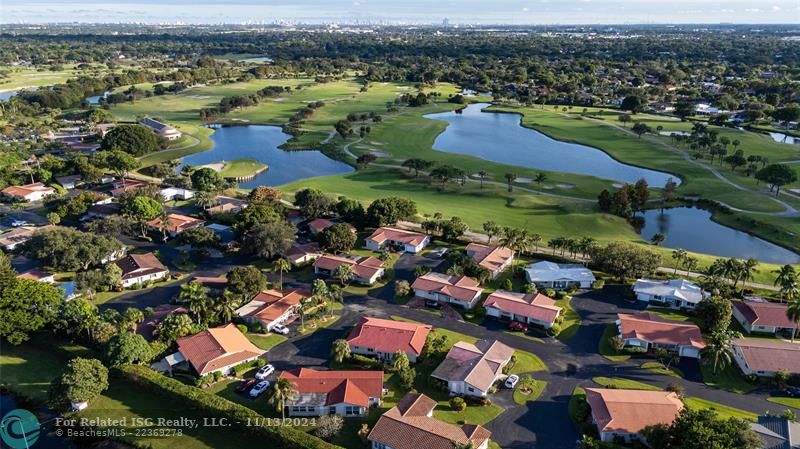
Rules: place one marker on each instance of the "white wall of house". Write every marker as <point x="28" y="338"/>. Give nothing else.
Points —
<point x="671" y="302"/>
<point x="446" y="299"/>
<point x="460" y="387"/>
<point x="386" y="356"/>
<point x="375" y="246"/>
<point x="142" y="279"/>
<point x="497" y="313"/>
<point x="342" y="409"/>
<point x="739" y="359"/>
<point x="750" y="328"/>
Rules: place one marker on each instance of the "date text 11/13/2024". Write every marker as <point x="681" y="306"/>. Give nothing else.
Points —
<point x="185" y="423"/>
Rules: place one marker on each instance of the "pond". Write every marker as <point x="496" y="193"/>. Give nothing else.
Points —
<point x="95" y="99"/>
<point x="499" y="137"/>
<point x="691" y="228"/>
<point x="261" y="143"/>
<point x="257" y="59"/>
<point x="784" y="138"/>
<point x="6" y="95"/>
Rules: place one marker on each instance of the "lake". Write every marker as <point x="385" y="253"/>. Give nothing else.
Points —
<point x="691" y="228"/>
<point x="499" y="137"/>
<point x="5" y="96"/>
<point x="95" y="99"/>
<point x="261" y="143"/>
<point x="784" y="138"/>
<point x="257" y="59"/>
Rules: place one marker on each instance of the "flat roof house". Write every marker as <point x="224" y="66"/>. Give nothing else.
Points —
<point x="217" y="349"/>
<point x="397" y="239"/>
<point x="12" y="239"/>
<point x="532" y="308"/>
<point x="175" y="224"/>
<point x="272" y="307"/>
<point x="141" y="268"/>
<point x="302" y="253"/>
<point x="375" y="337"/>
<point x="650" y="331"/>
<point x="226" y="204"/>
<point x="471" y="369"/>
<point x="366" y="270"/>
<point x="70" y="182"/>
<point x="625" y="413"/>
<point x="162" y="129"/>
<point x="764" y="357"/>
<point x="28" y="192"/>
<point x="344" y="393"/>
<point x="763" y="317"/>
<point x="493" y="258"/>
<point x="411" y="425"/>
<point x="673" y="293"/>
<point x="559" y="276"/>
<point x="460" y="290"/>
<point x="176" y="193"/>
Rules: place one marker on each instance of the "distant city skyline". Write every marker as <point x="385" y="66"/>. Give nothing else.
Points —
<point x="403" y="11"/>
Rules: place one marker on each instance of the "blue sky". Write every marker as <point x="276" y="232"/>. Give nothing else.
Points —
<point x="462" y="11"/>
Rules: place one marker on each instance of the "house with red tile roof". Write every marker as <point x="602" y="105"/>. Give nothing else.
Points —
<point x="302" y="253"/>
<point x="318" y="225"/>
<point x="121" y="186"/>
<point x="411" y="425"/>
<point x="38" y="275"/>
<point x="763" y="317"/>
<point x="397" y="239"/>
<point x="328" y="392"/>
<point x="366" y="270"/>
<point x="14" y="238"/>
<point x="764" y="357"/>
<point x="620" y="413"/>
<point x="175" y="224"/>
<point x="650" y="331"/>
<point x="460" y="290"/>
<point x="141" y="268"/>
<point x="375" y="337"/>
<point x="272" y="307"/>
<point x="471" y="369"/>
<point x="28" y="192"/>
<point x="493" y="258"/>
<point x="226" y="204"/>
<point x="531" y="308"/>
<point x="217" y="349"/>
<point x="147" y="328"/>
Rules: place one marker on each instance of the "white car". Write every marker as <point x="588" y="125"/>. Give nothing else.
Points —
<point x="260" y="388"/>
<point x="265" y="371"/>
<point x="280" y="329"/>
<point x="440" y="252"/>
<point x="511" y="381"/>
<point x="18" y="223"/>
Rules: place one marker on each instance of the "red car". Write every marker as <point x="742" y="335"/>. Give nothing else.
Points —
<point x="518" y="326"/>
<point x="246" y="385"/>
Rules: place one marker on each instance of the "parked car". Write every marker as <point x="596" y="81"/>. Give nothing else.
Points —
<point x="518" y="326"/>
<point x="18" y="223"/>
<point x="265" y="371"/>
<point x="511" y="381"/>
<point x="432" y="303"/>
<point x="439" y="252"/>
<point x="260" y="388"/>
<point x="792" y="392"/>
<point x="246" y="384"/>
<point x="280" y="329"/>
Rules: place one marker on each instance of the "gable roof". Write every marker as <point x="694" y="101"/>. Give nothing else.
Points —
<point x="320" y="224"/>
<point x="386" y="233"/>
<point x="489" y="257"/>
<point x="673" y="288"/>
<point x="536" y="306"/>
<point x="777" y="432"/>
<point x="300" y="250"/>
<point x="135" y="265"/>
<point x="764" y="313"/>
<point x="27" y="189"/>
<point x="630" y="411"/>
<point x="18" y="235"/>
<point x="769" y="355"/>
<point x="176" y="222"/>
<point x="460" y="287"/>
<point x="364" y="267"/>
<point x="389" y="336"/>
<point x="270" y="305"/>
<point x="653" y="328"/>
<point x="409" y="426"/>
<point x="550" y="271"/>
<point x="351" y="387"/>
<point x="217" y="348"/>
<point x="477" y="364"/>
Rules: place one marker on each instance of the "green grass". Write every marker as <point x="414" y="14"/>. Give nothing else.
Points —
<point x="604" y="345"/>
<point x="578" y="397"/>
<point x="523" y="335"/>
<point x="669" y="314"/>
<point x="521" y="398"/>
<point x="730" y="378"/>
<point x="526" y="363"/>
<point x="658" y="368"/>
<point x="618" y="382"/>
<point x="789" y="402"/>
<point x="241" y="168"/>
<point x="266" y="342"/>
<point x="572" y="321"/>
<point x="723" y="411"/>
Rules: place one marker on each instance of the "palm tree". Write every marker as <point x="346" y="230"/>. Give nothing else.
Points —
<point x="482" y="175"/>
<point x="788" y="280"/>
<point x="793" y="313"/>
<point x="678" y="255"/>
<point x="283" y="391"/>
<point x="281" y="265"/>
<point x="510" y="177"/>
<point x="340" y="350"/>
<point x="196" y="295"/>
<point x="690" y="264"/>
<point x="658" y="239"/>
<point x="344" y="273"/>
<point x="336" y="293"/>
<point x="535" y="240"/>
<point x="719" y="347"/>
<point x="540" y="178"/>
<point x="225" y="307"/>
<point x="747" y="269"/>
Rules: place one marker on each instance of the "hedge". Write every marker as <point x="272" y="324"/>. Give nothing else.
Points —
<point x="214" y="406"/>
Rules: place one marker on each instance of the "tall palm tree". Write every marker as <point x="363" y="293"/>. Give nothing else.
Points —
<point x="344" y="273"/>
<point x="510" y="177"/>
<point x="482" y="175"/>
<point x="225" y="307"/>
<point x="793" y="313"/>
<point x="535" y="240"/>
<point x="690" y="264"/>
<point x="788" y="280"/>
<point x="196" y="296"/>
<point x="340" y="350"/>
<point x="540" y="178"/>
<point x="281" y="265"/>
<point x="284" y="390"/>
<point x="678" y="255"/>
<point x="719" y="347"/>
<point x="747" y="269"/>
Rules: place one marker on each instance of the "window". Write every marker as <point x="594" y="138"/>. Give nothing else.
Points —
<point x="351" y="410"/>
<point x="470" y="389"/>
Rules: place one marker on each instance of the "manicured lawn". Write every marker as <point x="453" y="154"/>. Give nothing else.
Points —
<point x="605" y="348"/>
<point x="526" y="363"/>
<point x="241" y="168"/>
<point x="723" y="411"/>
<point x="227" y="389"/>
<point x="535" y="393"/>
<point x="266" y="341"/>
<point x="314" y="324"/>
<point x="572" y="321"/>
<point x="669" y="314"/>
<point x="730" y="378"/>
<point x="522" y="335"/>
<point x="787" y="401"/>
<point x="452" y="336"/>
<point x="618" y="382"/>
<point x="657" y="367"/>
<point x="578" y="397"/>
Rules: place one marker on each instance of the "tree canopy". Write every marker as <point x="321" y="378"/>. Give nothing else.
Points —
<point x="133" y="139"/>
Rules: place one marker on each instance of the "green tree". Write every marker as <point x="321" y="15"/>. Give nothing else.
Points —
<point x="281" y="266"/>
<point x="510" y="177"/>
<point x="133" y="139"/>
<point x="385" y="211"/>
<point x="131" y="318"/>
<point x="625" y="261"/>
<point x="340" y="350"/>
<point x="788" y="280"/>
<point x="76" y="317"/>
<point x="143" y="209"/>
<point x="641" y="128"/>
<point x="400" y="361"/>
<point x="200" y="237"/>
<point x="713" y="314"/>
<point x="633" y="103"/>
<point x="283" y="390"/>
<point x="82" y="380"/>
<point x="8" y="275"/>
<point x="118" y="161"/>
<point x="26" y="307"/>
<point x="344" y="273"/>
<point x="270" y="239"/>
<point x="702" y="429"/>
<point x="777" y="175"/>
<point x="719" y="348"/>
<point x="174" y="326"/>
<point x="207" y="180"/>
<point x="338" y="238"/>
<point x="793" y="313"/>
<point x="125" y="348"/>
<point x="313" y="203"/>
<point x="246" y="281"/>
<point x="196" y="296"/>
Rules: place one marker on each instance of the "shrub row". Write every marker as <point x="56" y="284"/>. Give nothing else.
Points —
<point x="215" y="406"/>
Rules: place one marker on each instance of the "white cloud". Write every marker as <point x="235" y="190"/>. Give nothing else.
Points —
<point x="776" y="8"/>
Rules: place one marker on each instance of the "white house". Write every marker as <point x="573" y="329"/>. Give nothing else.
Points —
<point x="623" y="414"/>
<point x="649" y="331"/>
<point x="330" y="392"/>
<point x="397" y="239"/>
<point x="763" y="317"/>
<point x="272" y="307"/>
<point x="531" y="308"/>
<point x="460" y="290"/>
<point x="765" y="357"/>
<point x="559" y="276"/>
<point x="28" y="192"/>
<point x="162" y="129"/>
<point x="366" y="270"/>
<point x="471" y="369"/>
<point x="141" y="268"/>
<point x="176" y="193"/>
<point x="673" y="293"/>
<point x="379" y="338"/>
